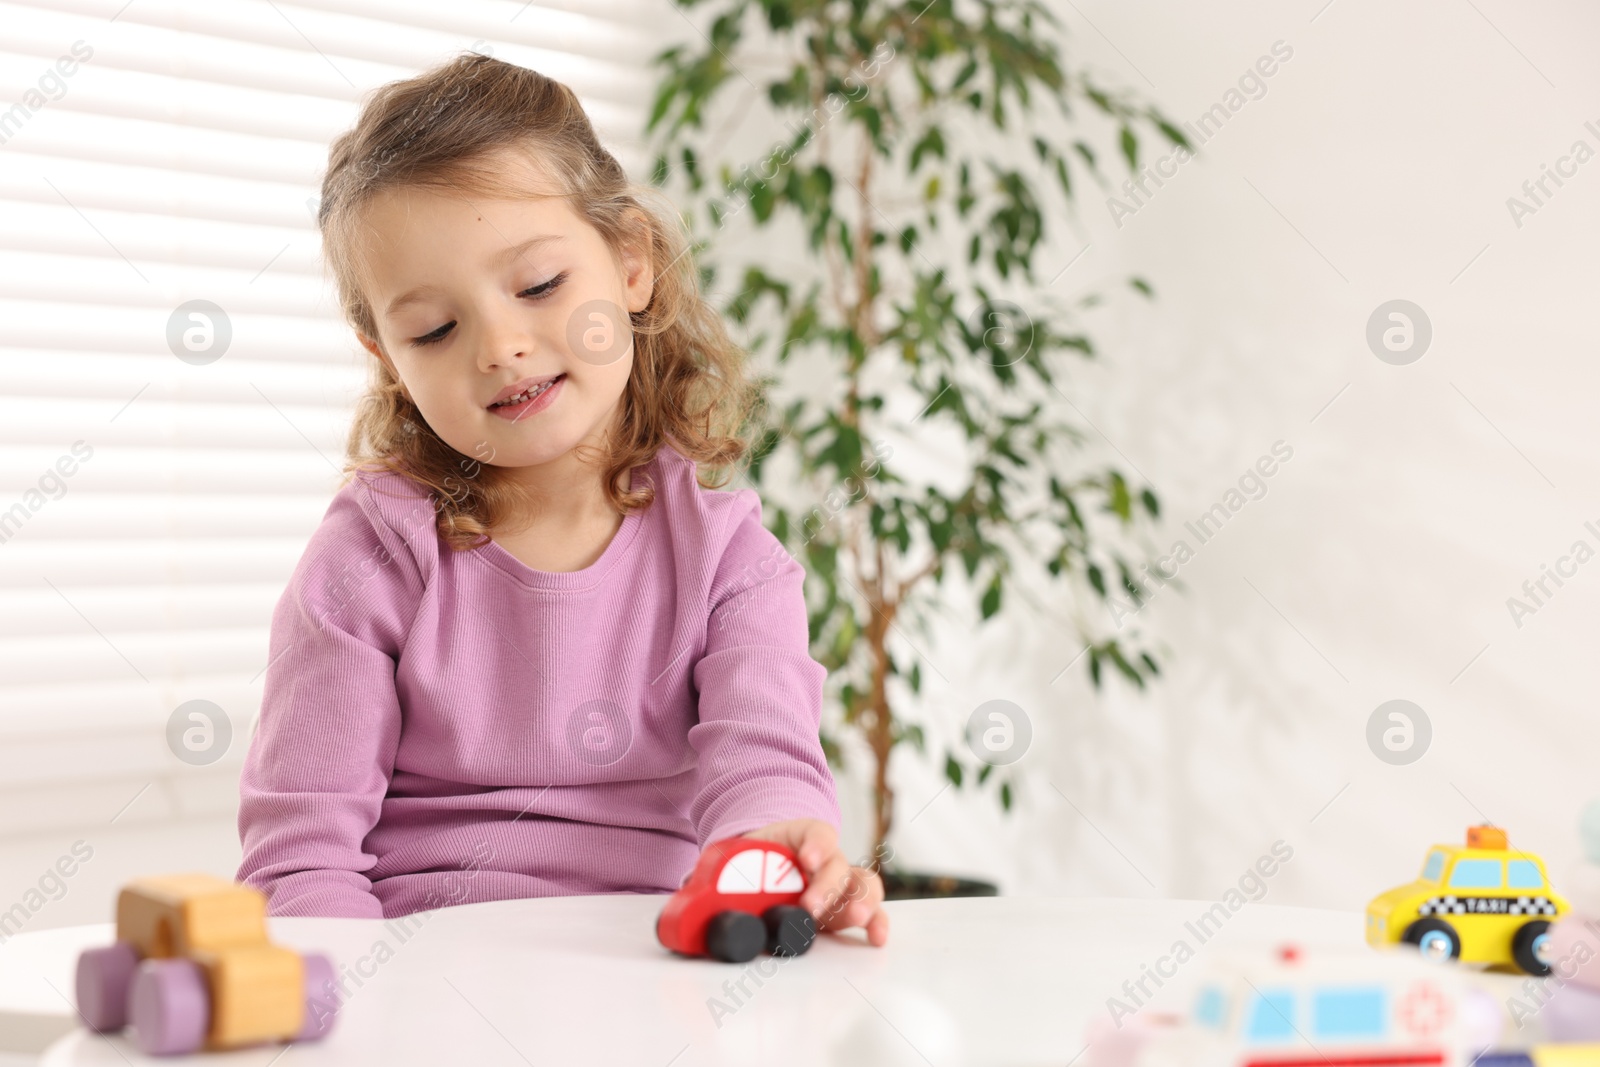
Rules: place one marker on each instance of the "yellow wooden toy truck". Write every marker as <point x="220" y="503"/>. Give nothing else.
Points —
<point x="192" y="968"/>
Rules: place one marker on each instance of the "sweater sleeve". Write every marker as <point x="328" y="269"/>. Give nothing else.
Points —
<point x="760" y="696"/>
<point x="319" y="764"/>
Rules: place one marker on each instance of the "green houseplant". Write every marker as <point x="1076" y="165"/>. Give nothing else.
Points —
<point x="926" y="289"/>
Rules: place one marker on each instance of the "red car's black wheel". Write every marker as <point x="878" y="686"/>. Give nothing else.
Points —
<point x="734" y="936"/>
<point x="790" y="930"/>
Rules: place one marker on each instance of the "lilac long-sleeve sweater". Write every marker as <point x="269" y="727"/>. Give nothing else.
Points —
<point x="442" y="727"/>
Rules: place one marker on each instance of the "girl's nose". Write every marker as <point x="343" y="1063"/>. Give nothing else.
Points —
<point x="504" y="341"/>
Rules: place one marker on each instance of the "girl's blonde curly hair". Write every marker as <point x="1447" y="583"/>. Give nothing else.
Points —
<point x="442" y="130"/>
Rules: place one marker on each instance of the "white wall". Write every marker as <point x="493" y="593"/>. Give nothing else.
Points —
<point x="1413" y="506"/>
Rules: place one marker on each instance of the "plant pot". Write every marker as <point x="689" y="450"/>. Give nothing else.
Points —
<point x="915" y="885"/>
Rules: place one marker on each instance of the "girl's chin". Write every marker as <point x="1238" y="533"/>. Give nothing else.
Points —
<point x="515" y="446"/>
<point x="509" y="444"/>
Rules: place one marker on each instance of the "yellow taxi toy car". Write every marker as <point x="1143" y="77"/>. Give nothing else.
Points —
<point x="1484" y="903"/>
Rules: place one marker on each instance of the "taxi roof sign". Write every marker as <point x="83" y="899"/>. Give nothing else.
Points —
<point x="1486" y="837"/>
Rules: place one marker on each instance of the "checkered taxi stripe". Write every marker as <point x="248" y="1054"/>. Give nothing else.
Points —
<point x="1452" y="905"/>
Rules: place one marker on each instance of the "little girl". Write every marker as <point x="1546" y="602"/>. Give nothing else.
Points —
<point x="526" y="652"/>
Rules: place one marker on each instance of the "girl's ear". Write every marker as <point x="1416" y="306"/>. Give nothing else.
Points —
<point x="638" y="275"/>
<point x="377" y="350"/>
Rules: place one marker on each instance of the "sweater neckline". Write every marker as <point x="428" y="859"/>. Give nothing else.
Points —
<point x="495" y="554"/>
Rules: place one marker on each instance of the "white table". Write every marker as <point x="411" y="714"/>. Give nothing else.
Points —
<point x="576" y="980"/>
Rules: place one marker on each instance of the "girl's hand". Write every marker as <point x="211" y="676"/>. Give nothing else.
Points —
<point x="837" y="895"/>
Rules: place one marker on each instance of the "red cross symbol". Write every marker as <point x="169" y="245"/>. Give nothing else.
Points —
<point x="1424" y="1010"/>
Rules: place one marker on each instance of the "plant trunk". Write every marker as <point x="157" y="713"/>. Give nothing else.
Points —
<point x="880" y="729"/>
<point x="880" y="732"/>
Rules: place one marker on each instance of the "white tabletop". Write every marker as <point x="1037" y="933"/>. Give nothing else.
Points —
<point x="573" y="980"/>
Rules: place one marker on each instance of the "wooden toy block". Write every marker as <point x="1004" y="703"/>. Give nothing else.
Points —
<point x="176" y="915"/>
<point x="257" y="994"/>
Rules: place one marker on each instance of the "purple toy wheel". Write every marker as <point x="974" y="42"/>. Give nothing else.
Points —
<point x="169" y="1006"/>
<point x="103" y="978"/>
<point x="322" y="998"/>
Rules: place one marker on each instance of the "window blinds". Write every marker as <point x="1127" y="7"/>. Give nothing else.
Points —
<point x="154" y="153"/>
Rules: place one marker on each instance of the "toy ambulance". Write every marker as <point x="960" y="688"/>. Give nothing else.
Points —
<point x="1303" y="1008"/>
<point x="742" y="896"/>
<point x="192" y="968"/>
<point x="1484" y="903"/>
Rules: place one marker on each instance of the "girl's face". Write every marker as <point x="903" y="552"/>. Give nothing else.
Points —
<point x="481" y="301"/>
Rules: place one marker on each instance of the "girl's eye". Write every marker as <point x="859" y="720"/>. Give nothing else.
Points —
<point x="537" y="292"/>
<point x="432" y="338"/>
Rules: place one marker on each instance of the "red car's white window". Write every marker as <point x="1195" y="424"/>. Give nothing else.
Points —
<point x="782" y="875"/>
<point x="742" y="874"/>
<point x="757" y="870"/>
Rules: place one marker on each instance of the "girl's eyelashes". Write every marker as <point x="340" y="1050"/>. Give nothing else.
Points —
<point x="537" y="292"/>
<point x="432" y="338"/>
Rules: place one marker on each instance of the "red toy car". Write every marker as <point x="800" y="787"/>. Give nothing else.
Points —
<point x="742" y="896"/>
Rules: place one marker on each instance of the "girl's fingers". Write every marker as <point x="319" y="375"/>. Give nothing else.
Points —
<point x="827" y="892"/>
<point x="878" y="928"/>
<point x="867" y="890"/>
<point x="859" y="900"/>
<point x="873" y="884"/>
<point x="817" y="842"/>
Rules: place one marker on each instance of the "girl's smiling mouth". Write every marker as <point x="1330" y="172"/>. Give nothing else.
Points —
<point x="531" y="396"/>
